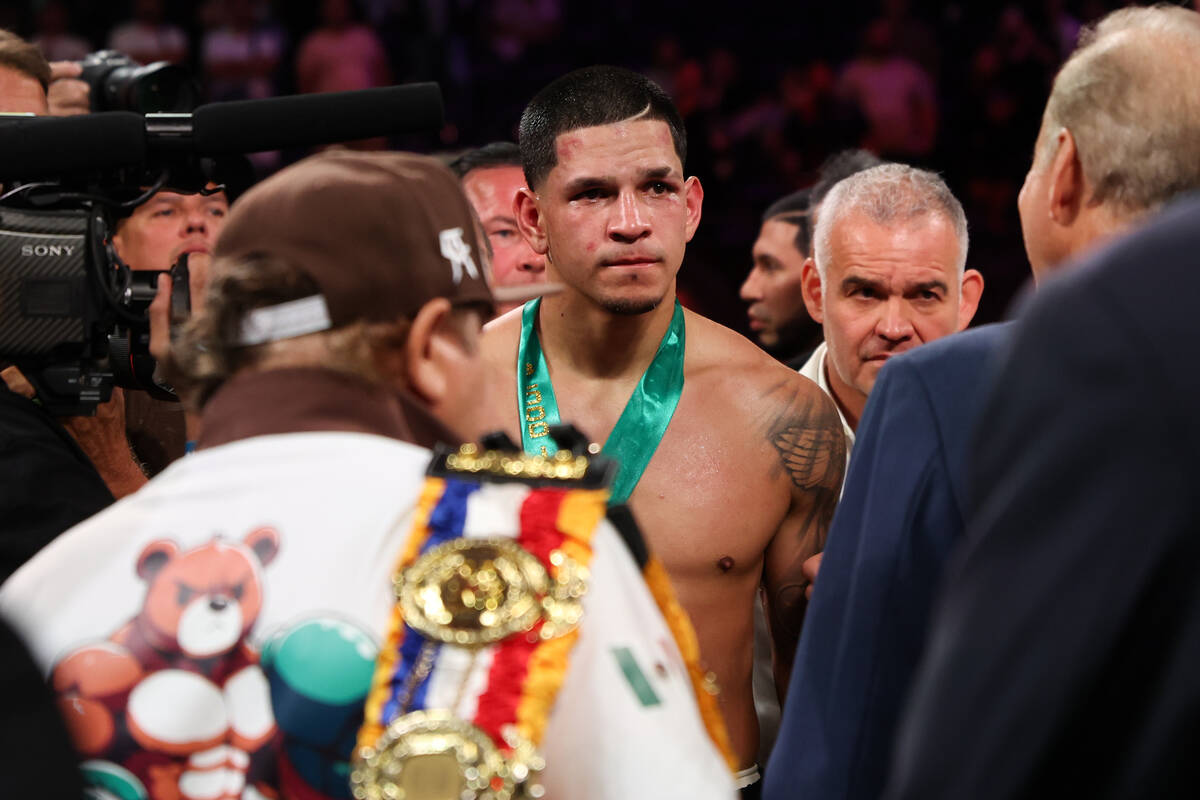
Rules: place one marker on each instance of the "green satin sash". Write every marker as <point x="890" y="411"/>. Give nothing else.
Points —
<point x="641" y="426"/>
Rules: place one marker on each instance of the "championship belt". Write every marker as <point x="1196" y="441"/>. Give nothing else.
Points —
<point x="488" y="596"/>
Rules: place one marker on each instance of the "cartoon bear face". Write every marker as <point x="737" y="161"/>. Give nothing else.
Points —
<point x="205" y="600"/>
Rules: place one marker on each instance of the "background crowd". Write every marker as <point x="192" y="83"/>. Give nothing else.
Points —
<point x="767" y="91"/>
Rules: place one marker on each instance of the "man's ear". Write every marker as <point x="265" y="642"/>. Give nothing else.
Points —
<point x="529" y="221"/>
<point x="1067" y="185"/>
<point x="969" y="294"/>
<point x="425" y="351"/>
<point x="118" y="243"/>
<point x="693" y="198"/>
<point x="811" y="289"/>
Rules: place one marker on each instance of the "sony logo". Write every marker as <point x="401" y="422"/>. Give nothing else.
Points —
<point x="47" y="249"/>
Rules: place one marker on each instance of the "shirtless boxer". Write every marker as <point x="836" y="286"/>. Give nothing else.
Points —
<point x="741" y="486"/>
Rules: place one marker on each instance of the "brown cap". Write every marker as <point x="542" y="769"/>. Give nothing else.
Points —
<point x="381" y="234"/>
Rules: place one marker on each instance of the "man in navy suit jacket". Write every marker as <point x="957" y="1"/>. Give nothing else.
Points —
<point x="905" y="499"/>
<point x="1064" y="651"/>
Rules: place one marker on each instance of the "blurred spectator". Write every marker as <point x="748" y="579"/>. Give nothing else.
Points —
<point x="517" y="25"/>
<point x="413" y="45"/>
<point x="148" y="36"/>
<point x="1008" y="81"/>
<point x="912" y="38"/>
<point x="723" y="90"/>
<point x="688" y="83"/>
<point x="53" y="34"/>
<point x="895" y="95"/>
<point x="341" y="54"/>
<point x="666" y="59"/>
<point x="241" y="55"/>
<point x="1064" y="28"/>
<point x="817" y="122"/>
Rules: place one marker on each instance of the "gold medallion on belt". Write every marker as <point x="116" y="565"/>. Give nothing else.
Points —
<point x="433" y="755"/>
<point x="475" y="592"/>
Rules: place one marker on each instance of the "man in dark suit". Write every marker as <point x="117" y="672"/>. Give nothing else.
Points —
<point x="1064" y="653"/>
<point x="906" y="500"/>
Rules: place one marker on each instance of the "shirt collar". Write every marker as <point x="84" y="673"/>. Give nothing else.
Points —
<point x="814" y="370"/>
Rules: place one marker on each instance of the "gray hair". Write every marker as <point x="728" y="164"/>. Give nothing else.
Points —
<point x="1130" y="96"/>
<point x="888" y="195"/>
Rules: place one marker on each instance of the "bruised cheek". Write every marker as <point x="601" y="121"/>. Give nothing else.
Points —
<point x="574" y="233"/>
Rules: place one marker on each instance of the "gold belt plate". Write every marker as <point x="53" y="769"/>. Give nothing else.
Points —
<point x="432" y="755"/>
<point x="472" y="592"/>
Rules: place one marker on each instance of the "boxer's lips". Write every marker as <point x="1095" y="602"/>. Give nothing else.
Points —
<point x="633" y="262"/>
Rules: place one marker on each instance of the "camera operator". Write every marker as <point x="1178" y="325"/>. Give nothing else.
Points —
<point x="47" y="483"/>
<point x="133" y="433"/>
<point x="158" y="232"/>
<point x="30" y="85"/>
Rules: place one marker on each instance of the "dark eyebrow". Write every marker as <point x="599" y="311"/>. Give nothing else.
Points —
<point x="657" y="172"/>
<point x="583" y="184"/>
<point x="926" y="286"/>
<point x="851" y="283"/>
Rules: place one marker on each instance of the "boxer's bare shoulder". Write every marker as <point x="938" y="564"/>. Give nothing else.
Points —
<point x="782" y="423"/>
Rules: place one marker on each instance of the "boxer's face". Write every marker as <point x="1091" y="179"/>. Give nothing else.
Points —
<point x="615" y="213"/>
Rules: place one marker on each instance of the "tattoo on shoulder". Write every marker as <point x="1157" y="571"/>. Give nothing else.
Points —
<point x="808" y="436"/>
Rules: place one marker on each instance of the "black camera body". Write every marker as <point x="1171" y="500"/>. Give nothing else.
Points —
<point x="49" y="311"/>
<point x="72" y="317"/>
<point x="118" y="83"/>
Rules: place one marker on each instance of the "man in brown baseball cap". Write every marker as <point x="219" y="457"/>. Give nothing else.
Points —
<point x="242" y="591"/>
<point x="349" y="265"/>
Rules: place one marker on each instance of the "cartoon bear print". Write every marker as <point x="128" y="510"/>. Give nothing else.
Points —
<point x="176" y="696"/>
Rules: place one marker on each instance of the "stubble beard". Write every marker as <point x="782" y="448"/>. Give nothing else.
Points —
<point x="630" y="308"/>
<point x="621" y="307"/>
